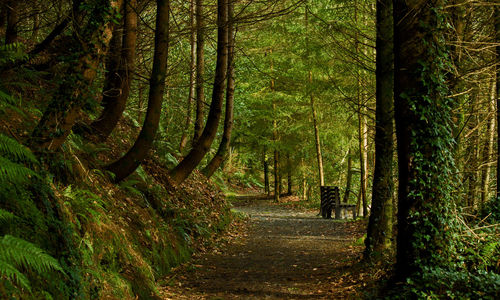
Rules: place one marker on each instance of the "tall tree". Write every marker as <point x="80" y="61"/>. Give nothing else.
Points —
<point x="90" y="41"/>
<point x="225" y="142"/>
<point x="133" y="158"/>
<point x="202" y="146"/>
<point x="497" y="70"/>
<point x="192" y="76"/>
<point x="380" y="223"/>
<point x="119" y="75"/>
<point x="200" y="71"/>
<point x="424" y="139"/>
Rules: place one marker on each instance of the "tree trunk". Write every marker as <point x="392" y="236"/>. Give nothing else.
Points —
<point x="202" y="146"/>
<point x="64" y="109"/>
<point x="200" y="72"/>
<point x="192" y="77"/>
<point x="349" y="177"/>
<point x="224" y="145"/>
<point x="119" y="76"/>
<point x="497" y="70"/>
<point x="362" y="155"/>
<point x="379" y="231"/>
<point x="267" y="188"/>
<point x="471" y="166"/>
<point x="289" y="175"/>
<point x="133" y="158"/>
<point x="12" y="20"/>
<point x="488" y="147"/>
<point x="317" y="140"/>
<point x="424" y="140"/>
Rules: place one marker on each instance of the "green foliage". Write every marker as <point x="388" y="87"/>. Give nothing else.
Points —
<point x="17" y="253"/>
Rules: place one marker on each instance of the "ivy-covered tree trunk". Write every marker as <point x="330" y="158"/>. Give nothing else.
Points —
<point x="90" y="42"/>
<point x="119" y="75"/>
<point x="192" y="77"/>
<point x="202" y="146"/>
<point x="225" y="142"/>
<point x="200" y="72"/>
<point x="379" y="232"/>
<point x="133" y="158"/>
<point x="424" y="139"/>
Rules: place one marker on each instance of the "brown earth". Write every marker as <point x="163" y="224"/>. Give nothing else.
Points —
<point x="283" y="253"/>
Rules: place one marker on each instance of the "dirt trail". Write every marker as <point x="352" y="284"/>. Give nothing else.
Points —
<point x="286" y="254"/>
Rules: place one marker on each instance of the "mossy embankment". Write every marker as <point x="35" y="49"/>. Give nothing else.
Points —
<point x="113" y="241"/>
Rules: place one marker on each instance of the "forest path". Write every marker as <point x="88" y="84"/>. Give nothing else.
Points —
<point x="285" y="253"/>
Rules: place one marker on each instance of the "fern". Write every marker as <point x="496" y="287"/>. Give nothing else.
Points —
<point x="13" y="150"/>
<point x="14" y="173"/>
<point x="6" y="217"/>
<point x="11" y="273"/>
<point x="18" y="253"/>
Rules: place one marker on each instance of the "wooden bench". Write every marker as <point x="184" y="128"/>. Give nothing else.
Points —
<point x="330" y="200"/>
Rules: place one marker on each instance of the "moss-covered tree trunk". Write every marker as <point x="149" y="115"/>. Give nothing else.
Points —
<point x="132" y="159"/>
<point x="202" y="146"/>
<point x="424" y="139"/>
<point x="91" y="39"/>
<point x="200" y="72"/>
<point x="119" y="75"/>
<point x="225" y="142"/>
<point x="380" y="223"/>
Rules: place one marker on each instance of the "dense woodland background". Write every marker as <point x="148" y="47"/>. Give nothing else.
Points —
<point x="115" y="112"/>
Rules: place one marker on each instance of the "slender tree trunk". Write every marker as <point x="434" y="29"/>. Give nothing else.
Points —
<point x="12" y="22"/>
<point x="119" y="76"/>
<point x="289" y="175"/>
<point x="362" y="155"/>
<point x="216" y="161"/>
<point x="317" y="140"/>
<point x="361" y="131"/>
<point x="349" y="177"/>
<point x="497" y="68"/>
<point x="267" y="189"/>
<point x="276" y="156"/>
<point x="202" y="146"/>
<point x="192" y="78"/>
<point x="133" y="158"/>
<point x="200" y="71"/>
<point x="64" y="109"/>
<point x="488" y="147"/>
<point x="379" y="231"/>
<point x="472" y="151"/>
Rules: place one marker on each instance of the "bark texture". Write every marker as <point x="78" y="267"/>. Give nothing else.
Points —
<point x="225" y="143"/>
<point x="119" y="75"/>
<point x="133" y="158"/>
<point x="192" y="78"/>
<point x="200" y="72"/>
<point x="379" y="232"/>
<point x="91" y="41"/>
<point x="202" y="146"/>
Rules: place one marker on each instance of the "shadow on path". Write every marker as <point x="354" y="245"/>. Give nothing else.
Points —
<point x="286" y="254"/>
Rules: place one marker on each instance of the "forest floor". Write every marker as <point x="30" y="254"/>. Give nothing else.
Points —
<point x="280" y="252"/>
